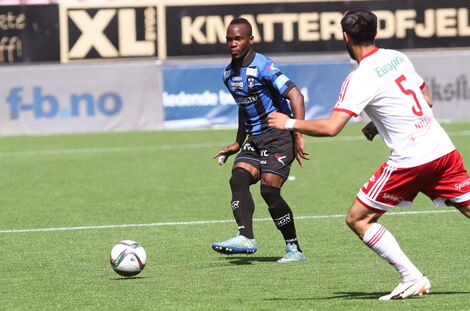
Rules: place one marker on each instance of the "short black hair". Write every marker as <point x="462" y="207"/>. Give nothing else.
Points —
<point x="241" y="20"/>
<point x="361" y="26"/>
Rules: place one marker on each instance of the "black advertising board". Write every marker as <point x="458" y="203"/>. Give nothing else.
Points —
<point x="288" y="27"/>
<point x="82" y="31"/>
<point x="29" y="34"/>
<point x="108" y="30"/>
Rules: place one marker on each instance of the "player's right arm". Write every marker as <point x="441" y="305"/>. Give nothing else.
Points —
<point x="240" y="138"/>
<point x="330" y="126"/>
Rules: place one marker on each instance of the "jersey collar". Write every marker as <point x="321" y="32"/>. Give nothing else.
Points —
<point x="369" y="54"/>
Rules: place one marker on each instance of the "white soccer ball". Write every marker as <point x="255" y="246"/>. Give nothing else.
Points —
<point x="128" y="258"/>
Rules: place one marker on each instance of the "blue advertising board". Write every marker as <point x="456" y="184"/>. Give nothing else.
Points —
<point x="197" y="97"/>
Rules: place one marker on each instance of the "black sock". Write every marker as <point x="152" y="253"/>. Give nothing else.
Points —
<point x="280" y="213"/>
<point x="243" y="206"/>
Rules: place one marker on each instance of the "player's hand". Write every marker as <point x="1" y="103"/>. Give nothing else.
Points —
<point x="370" y="131"/>
<point x="225" y="152"/>
<point x="300" y="153"/>
<point x="277" y="120"/>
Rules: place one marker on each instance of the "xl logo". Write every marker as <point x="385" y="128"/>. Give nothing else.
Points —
<point x="48" y="106"/>
<point x="110" y="33"/>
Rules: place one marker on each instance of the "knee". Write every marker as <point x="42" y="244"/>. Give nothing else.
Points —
<point x="351" y="221"/>
<point x="270" y="194"/>
<point x="241" y="179"/>
<point x="356" y="222"/>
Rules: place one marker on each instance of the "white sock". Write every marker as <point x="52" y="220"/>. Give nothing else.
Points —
<point x="381" y="241"/>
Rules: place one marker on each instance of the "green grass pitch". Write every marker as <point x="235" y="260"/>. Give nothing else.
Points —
<point x="86" y="184"/>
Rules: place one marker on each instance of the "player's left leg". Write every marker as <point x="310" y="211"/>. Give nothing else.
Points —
<point x="282" y="216"/>
<point x="465" y="209"/>
<point x="363" y="221"/>
<point x="451" y="184"/>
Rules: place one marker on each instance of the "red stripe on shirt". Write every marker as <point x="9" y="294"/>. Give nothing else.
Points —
<point x="344" y="87"/>
<point x="346" y="110"/>
<point x="369" y="54"/>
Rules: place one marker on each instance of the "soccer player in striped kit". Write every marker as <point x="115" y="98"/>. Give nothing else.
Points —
<point x="259" y="88"/>
<point x="423" y="159"/>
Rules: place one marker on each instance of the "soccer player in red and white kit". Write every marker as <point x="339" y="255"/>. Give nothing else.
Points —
<point x="423" y="158"/>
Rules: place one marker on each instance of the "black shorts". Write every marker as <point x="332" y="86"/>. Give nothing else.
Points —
<point x="270" y="152"/>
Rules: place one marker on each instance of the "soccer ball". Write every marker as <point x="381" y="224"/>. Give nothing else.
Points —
<point x="128" y="258"/>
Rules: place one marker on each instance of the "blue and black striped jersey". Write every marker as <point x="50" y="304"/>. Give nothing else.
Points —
<point x="259" y="88"/>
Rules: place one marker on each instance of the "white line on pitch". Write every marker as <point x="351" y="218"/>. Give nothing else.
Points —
<point x="171" y="147"/>
<point x="201" y="222"/>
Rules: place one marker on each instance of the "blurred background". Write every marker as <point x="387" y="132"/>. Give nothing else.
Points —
<point x="71" y="66"/>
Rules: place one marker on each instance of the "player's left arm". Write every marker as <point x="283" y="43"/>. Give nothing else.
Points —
<point x="296" y="99"/>
<point x="427" y="95"/>
<point x="330" y="126"/>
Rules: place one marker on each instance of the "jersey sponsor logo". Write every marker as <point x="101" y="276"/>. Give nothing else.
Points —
<point x="390" y="66"/>
<point x="237" y="85"/>
<point x="392" y="197"/>
<point x="237" y="78"/>
<point x="246" y="100"/>
<point x="280" y="158"/>
<point x="280" y="81"/>
<point x="264" y="153"/>
<point x="463" y="184"/>
<point x="423" y="122"/>
<point x="272" y="67"/>
<point x="252" y="71"/>
<point x="227" y="74"/>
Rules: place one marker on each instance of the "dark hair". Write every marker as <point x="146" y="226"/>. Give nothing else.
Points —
<point x="241" y="20"/>
<point x="360" y="25"/>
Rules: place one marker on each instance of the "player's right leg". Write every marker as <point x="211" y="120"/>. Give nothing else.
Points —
<point x="363" y="221"/>
<point x="243" y="175"/>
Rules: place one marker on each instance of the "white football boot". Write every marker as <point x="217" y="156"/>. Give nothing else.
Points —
<point x="409" y="289"/>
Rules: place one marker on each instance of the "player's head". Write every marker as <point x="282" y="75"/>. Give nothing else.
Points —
<point x="239" y="37"/>
<point x="360" y="27"/>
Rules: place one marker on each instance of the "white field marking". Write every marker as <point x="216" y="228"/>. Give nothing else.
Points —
<point x="202" y="222"/>
<point x="107" y="149"/>
<point x="171" y="147"/>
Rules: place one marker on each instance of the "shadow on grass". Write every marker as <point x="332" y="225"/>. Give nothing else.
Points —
<point x="359" y="295"/>
<point x="376" y="295"/>
<point x="123" y="278"/>
<point x="239" y="260"/>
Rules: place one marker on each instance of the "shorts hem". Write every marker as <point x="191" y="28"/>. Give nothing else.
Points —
<point x="375" y="210"/>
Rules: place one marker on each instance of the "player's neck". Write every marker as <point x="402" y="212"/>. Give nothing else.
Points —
<point x="361" y="52"/>
<point x="243" y="61"/>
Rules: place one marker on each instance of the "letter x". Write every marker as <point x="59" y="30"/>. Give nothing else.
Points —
<point x="92" y="33"/>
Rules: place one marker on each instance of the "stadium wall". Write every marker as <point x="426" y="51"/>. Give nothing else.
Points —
<point x="109" y="79"/>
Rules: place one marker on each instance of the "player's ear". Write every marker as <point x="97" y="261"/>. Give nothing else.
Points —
<point x="346" y="37"/>
<point x="252" y="39"/>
